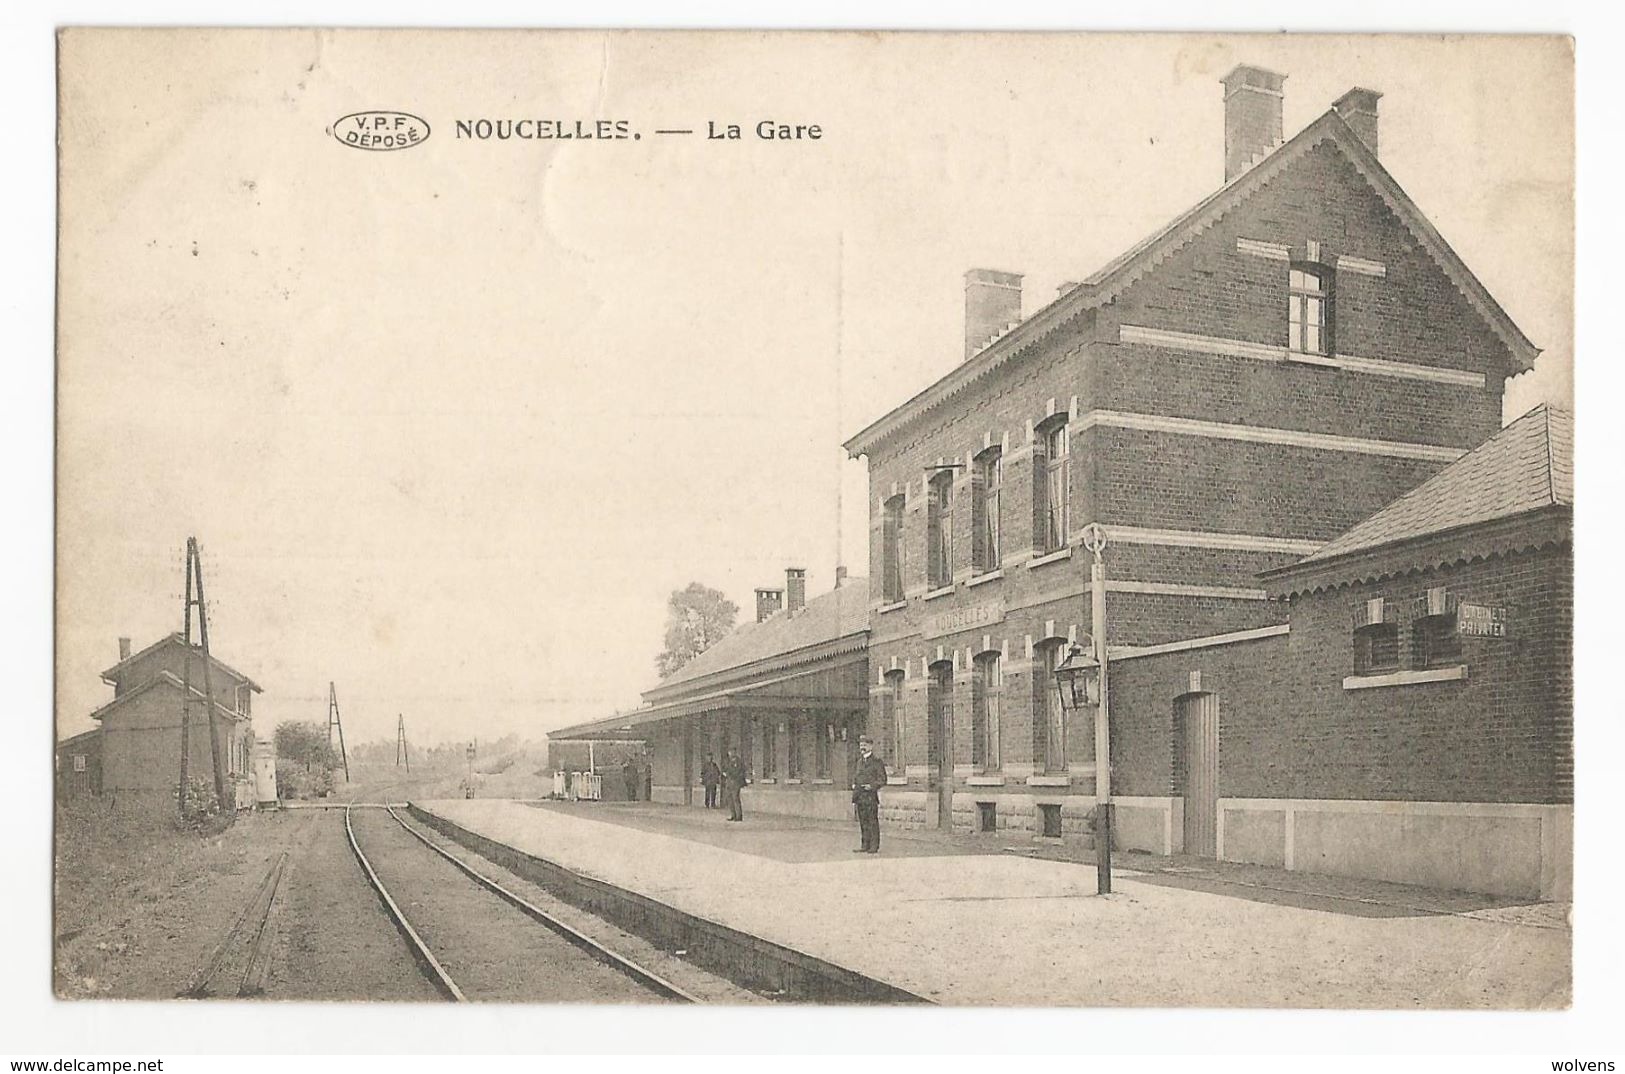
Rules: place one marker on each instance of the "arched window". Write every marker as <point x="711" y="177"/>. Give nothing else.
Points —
<point x="892" y="550"/>
<point x="939" y="530"/>
<point x="987" y="489"/>
<point x="1051" y="486"/>
<point x="986" y="691"/>
<point x="1049" y="721"/>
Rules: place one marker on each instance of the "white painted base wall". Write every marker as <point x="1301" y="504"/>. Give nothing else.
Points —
<point x="1516" y="850"/>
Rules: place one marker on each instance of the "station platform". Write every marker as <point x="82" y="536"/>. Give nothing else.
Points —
<point x="965" y="921"/>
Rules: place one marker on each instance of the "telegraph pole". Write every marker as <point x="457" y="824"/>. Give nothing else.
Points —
<point x="333" y="721"/>
<point x="401" y="754"/>
<point x="194" y="599"/>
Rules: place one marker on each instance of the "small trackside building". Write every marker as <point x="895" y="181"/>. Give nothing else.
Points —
<point x="1413" y="719"/>
<point x="141" y="726"/>
<point x="787" y="690"/>
<point x="1292" y="353"/>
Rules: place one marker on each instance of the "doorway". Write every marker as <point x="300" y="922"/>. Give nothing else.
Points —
<point x="1196" y="722"/>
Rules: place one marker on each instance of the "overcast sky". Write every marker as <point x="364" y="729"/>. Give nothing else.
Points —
<point x="452" y="422"/>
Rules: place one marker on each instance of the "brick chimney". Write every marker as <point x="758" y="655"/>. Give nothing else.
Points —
<point x="768" y="602"/>
<point x="795" y="589"/>
<point x="123" y="649"/>
<point x="992" y="304"/>
<point x="1252" y="117"/>
<point x="1358" y="107"/>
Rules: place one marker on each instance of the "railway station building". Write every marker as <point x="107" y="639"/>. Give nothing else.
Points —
<point x="1278" y="363"/>
<point x="140" y="727"/>
<point x="788" y="690"/>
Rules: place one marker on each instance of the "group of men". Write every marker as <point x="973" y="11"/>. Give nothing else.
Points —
<point x="868" y="778"/>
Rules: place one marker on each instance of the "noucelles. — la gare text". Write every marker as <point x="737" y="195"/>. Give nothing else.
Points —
<point x="612" y="130"/>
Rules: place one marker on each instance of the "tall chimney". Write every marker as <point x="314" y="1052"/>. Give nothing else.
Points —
<point x="768" y="602"/>
<point x="123" y="649"/>
<point x="1358" y="107"/>
<point x="795" y="589"/>
<point x="992" y="304"/>
<point x="1252" y="117"/>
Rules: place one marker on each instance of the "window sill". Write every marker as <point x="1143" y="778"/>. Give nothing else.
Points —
<point x="990" y="576"/>
<point x="984" y="781"/>
<point x="1406" y="678"/>
<point x="1049" y="781"/>
<point x="824" y="782"/>
<point x="940" y="591"/>
<point x="769" y="780"/>
<point x="892" y="607"/>
<point x="1305" y="358"/>
<point x="1050" y="557"/>
<point x="793" y="782"/>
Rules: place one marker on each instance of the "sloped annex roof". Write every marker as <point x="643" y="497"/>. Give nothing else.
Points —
<point x="161" y="677"/>
<point x="1112" y="279"/>
<point x="111" y="674"/>
<point x="1527" y="466"/>
<point x="841" y="612"/>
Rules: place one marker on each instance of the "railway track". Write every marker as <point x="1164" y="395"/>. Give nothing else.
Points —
<point x="238" y="963"/>
<point x="480" y="940"/>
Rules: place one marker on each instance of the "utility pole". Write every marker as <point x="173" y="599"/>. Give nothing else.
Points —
<point x="194" y="599"/>
<point x="333" y="721"/>
<point x="1095" y="542"/>
<point x="401" y="755"/>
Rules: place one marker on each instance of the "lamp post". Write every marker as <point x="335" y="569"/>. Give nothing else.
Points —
<point x="1080" y="680"/>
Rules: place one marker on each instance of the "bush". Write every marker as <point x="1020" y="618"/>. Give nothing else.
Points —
<point x="293" y="782"/>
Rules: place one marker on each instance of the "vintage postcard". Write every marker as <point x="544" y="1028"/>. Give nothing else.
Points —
<point x="987" y="519"/>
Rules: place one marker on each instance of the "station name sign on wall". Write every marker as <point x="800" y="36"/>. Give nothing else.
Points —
<point x="953" y="620"/>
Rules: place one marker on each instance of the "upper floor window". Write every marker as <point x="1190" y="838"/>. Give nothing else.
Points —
<point x="939" y="529"/>
<point x="1309" y="298"/>
<point x="1053" y="489"/>
<point x="987" y="489"/>
<point x="891" y="538"/>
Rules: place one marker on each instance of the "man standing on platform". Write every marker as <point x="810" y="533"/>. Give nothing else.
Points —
<point x="866" y="783"/>
<point x="710" y="777"/>
<point x="733" y="781"/>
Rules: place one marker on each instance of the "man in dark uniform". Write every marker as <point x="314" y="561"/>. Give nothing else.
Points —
<point x="866" y="783"/>
<point x="733" y="781"/>
<point x="710" y="776"/>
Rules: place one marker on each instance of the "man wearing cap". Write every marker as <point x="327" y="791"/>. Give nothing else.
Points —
<point x="866" y="783"/>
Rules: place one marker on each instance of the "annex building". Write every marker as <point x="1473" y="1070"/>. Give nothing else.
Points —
<point x="787" y="690"/>
<point x="1277" y="364"/>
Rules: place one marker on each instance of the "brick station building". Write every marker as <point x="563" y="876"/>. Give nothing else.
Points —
<point x="1275" y="365"/>
<point x="1412" y="720"/>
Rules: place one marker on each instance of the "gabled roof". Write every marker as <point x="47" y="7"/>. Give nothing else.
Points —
<point x="1111" y="280"/>
<point x="1526" y="467"/>
<point x="162" y="677"/>
<point x="840" y="613"/>
<point x="81" y="739"/>
<point x="112" y="673"/>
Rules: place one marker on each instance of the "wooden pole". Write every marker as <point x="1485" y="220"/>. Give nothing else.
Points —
<point x="208" y="683"/>
<point x="1103" y="760"/>
<point x="186" y="689"/>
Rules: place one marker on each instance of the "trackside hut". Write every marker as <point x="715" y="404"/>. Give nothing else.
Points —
<point x="1274" y="365"/>
<point x="1413" y="719"/>
<point x="141" y="725"/>
<point x="787" y="690"/>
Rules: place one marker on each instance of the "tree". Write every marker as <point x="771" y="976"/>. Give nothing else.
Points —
<point x="304" y="742"/>
<point x="696" y="619"/>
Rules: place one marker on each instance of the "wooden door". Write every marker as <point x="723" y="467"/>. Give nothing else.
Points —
<point x="1197" y="720"/>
